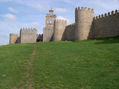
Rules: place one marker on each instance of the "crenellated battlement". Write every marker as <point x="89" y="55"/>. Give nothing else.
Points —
<point x="112" y="13"/>
<point x="60" y="21"/>
<point x="83" y="21"/>
<point x="84" y="9"/>
<point x="71" y="25"/>
<point x="85" y="26"/>
<point x="13" y="34"/>
<point x="26" y="30"/>
<point x="28" y="35"/>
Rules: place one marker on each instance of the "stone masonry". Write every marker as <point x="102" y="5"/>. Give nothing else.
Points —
<point x="48" y="31"/>
<point x="59" y="27"/>
<point x="84" y="18"/>
<point x="85" y="26"/>
<point x="13" y="38"/>
<point x="28" y="35"/>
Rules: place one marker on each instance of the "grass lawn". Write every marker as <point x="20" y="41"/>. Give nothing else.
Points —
<point x="89" y="64"/>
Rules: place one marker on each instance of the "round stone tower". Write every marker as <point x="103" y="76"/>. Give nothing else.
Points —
<point x="59" y="29"/>
<point x="83" y="19"/>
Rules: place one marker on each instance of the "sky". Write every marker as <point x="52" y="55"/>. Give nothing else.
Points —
<point x="16" y="14"/>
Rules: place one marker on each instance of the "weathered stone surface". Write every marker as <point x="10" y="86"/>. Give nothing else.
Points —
<point x="106" y="26"/>
<point x="83" y="19"/>
<point x="85" y="26"/>
<point x="28" y="35"/>
<point x="48" y="31"/>
<point x="69" y="33"/>
<point x="13" y="38"/>
<point x="60" y="26"/>
<point x="48" y="34"/>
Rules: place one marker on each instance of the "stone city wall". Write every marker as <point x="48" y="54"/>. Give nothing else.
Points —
<point x="28" y="35"/>
<point x="69" y="33"/>
<point x="106" y="25"/>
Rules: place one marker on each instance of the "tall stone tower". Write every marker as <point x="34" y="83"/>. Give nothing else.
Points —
<point x="59" y="27"/>
<point x="83" y="19"/>
<point x="49" y="27"/>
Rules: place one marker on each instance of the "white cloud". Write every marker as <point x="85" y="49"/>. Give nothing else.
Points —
<point x="61" y="10"/>
<point x="41" y="7"/>
<point x="63" y="18"/>
<point x="12" y="10"/>
<point x="9" y="17"/>
<point x="35" y="24"/>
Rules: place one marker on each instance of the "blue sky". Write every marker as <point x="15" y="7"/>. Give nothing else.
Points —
<point x="16" y="14"/>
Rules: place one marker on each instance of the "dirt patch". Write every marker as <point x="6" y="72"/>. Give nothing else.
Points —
<point x="28" y="74"/>
<point x="29" y="83"/>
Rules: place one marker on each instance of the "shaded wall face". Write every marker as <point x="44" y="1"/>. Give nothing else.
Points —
<point x="69" y="33"/>
<point x="48" y="34"/>
<point x="13" y="38"/>
<point x="39" y="37"/>
<point x="28" y="36"/>
<point x="106" y="26"/>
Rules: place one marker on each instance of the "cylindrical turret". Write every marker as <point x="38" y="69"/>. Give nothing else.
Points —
<point x="59" y="29"/>
<point x="83" y="19"/>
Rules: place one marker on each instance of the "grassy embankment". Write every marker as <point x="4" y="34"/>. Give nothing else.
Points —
<point x="91" y="64"/>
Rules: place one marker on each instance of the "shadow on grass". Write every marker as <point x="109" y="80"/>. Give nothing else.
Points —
<point x="110" y="40"/>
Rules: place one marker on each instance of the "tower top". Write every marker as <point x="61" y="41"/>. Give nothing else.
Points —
<point x="50" y="18"/>
<point x="51" y="10"/>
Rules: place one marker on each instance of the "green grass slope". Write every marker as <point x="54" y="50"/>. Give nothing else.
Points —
<point x="91" y="64"/>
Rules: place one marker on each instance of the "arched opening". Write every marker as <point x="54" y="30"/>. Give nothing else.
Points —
<point x="47" y="21"/>
<point x="50" y="21"/>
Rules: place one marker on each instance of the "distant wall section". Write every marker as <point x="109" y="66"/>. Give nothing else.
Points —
<point x="28" y="35"/>
<point x="13" y="38"/>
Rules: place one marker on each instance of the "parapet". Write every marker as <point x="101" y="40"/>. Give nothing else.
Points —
<point x="28" y="30"/>
<point x="71" y="25"/>
<point x="12" y="34"/>
<point x="112" y="13"/>
<point x="61" y="21"/>
<point x="84" y="9"/>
